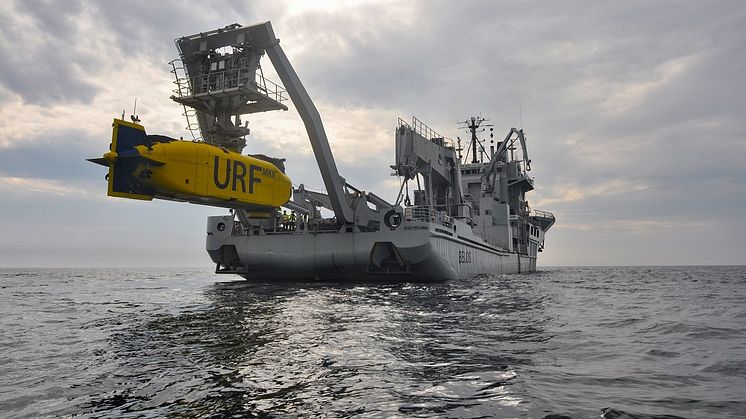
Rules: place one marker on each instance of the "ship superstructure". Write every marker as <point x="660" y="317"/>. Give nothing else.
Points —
<point x="450" y="219"/>
<point x="488" y="193"/>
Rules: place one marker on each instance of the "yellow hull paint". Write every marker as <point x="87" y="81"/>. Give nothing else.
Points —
<point x="199" y="173"/>
<point x="199" y="170"/>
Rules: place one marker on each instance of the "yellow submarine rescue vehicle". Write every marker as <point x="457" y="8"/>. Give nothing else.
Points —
<point x="145" y="166"/>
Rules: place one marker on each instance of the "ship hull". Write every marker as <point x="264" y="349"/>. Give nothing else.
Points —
<point x="415" y="252"/>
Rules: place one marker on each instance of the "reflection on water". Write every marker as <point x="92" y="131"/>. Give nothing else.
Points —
<point x="622" y="342"/>
<point x="322" y="348"/>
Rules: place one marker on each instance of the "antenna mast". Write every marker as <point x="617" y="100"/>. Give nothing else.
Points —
<point x="475" y="124"/>
<point x="134" y="117"/>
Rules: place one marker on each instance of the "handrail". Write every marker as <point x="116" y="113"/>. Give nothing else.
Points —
<point x="278" y="94"/>
<point x="233" y="78"/>
<point x="419" y="213"/>
<point x="429" y="214"/>
<point x="543" y="214"/>
<point x="425" y="131"/>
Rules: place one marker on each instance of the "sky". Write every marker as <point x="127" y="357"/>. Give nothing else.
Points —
<point x="634" y="114"/>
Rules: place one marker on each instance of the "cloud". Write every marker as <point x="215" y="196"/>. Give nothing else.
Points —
<point x="632" y="110"/>
<point x="574" y="193"/>
<point x="21" y="185"/>
<point x="641" y="226"/>
<point x="26" y="122"/>
<point x="45" y="54"/>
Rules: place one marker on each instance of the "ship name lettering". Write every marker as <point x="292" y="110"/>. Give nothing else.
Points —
<point x="464" y="256"/>
<point x="253" y="179"/>
<point x="239" y="175"/>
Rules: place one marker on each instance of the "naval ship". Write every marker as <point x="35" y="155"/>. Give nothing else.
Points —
<point x="454" y="216"/>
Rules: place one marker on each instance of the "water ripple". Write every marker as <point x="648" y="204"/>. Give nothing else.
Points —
<point x="562" y="343"/>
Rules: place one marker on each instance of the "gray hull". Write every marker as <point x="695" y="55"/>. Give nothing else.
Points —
<point x="415" y="251"/>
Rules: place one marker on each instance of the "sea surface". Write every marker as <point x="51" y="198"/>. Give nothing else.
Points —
<point x="612" y="342"/>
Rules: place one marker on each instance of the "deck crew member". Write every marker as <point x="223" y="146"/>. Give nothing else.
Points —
<point x="285" y="220"/>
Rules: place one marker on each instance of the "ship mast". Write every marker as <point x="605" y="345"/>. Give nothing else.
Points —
<point x="475" y="124"/>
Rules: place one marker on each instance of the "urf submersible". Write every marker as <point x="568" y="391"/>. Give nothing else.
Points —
<point x="466" y="217"/>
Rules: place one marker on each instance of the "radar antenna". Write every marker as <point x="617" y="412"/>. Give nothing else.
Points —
<point x="476" y="124"/>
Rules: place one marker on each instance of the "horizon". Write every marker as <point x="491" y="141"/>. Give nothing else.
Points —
<point x="539" y="268"/>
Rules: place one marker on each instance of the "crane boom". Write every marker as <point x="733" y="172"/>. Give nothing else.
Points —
<point x="333" y="181"/>
<point x="505" y="145"/>
<point x="263" y="35"/>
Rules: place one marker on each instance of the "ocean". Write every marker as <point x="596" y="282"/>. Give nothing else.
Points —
<point x="581" y="342"/>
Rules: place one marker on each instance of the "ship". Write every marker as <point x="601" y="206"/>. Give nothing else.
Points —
<point x="455" y="215"/>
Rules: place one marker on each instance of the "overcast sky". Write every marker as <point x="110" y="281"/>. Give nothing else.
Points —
<point x="634" y="113"/>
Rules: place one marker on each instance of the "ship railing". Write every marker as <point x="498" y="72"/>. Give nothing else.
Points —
<point x="218" y="81"/>
<point x="543" y="214"/>
<point x="419" y="213"/>
<point x="426" y="132"/>
<point x="271" y="89"/>
<point x="429" y="214"/>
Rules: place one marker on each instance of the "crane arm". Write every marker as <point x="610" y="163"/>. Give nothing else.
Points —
<point x="502" y="149"/>
<point x="264" y="37"/>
